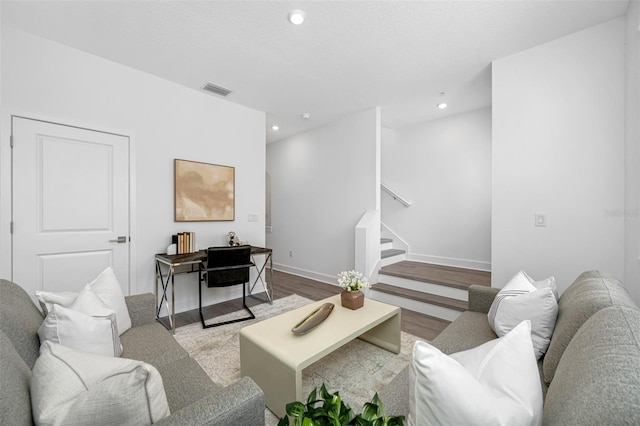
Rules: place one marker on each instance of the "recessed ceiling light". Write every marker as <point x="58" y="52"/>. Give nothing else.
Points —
<point x="306" y="116"/>
<point x="297" y="17"/>
<point x="275" y="128"/>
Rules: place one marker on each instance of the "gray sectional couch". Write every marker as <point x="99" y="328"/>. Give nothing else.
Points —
<point x="193" y="398"/>
<point x="590" y="374"/>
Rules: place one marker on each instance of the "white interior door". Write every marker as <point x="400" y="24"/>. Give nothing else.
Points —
<point x="70" y="205"/>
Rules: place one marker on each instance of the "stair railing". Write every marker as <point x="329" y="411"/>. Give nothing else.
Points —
<point x="395" y="195"/>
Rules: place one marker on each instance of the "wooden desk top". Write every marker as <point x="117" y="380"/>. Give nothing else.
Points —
<point x="199" y="256"/>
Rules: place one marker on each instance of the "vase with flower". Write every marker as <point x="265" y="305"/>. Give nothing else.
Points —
<point x="352" y="282"/>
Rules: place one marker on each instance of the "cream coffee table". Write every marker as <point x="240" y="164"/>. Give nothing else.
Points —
<point x="274" y="357"/>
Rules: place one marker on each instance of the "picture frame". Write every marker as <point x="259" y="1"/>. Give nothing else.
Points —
<point x="203" y="192"/>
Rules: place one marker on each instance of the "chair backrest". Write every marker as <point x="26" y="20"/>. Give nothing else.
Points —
<point x="227" y="257"/>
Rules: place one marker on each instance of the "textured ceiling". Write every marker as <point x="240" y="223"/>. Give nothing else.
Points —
<point x="347" y="56"/>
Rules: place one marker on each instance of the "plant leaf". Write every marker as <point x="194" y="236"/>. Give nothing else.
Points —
<point x="312" y="399"/>
<point x="370" y="411"/>
<point x="308" y="422"/>
<point x="324" y="393"/>
<point x="396" y="421"/>
<point x="296" y="409"/>
<point x="284" y="421"/>
<point x="377" y="401"/>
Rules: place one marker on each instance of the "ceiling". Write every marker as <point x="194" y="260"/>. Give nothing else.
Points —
<point x="346" y="57"/>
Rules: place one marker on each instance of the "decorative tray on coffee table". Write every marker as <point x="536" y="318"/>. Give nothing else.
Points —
<point x="313" y="320"/>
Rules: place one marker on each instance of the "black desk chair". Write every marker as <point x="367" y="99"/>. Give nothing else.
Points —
<point x="227" y="266"/>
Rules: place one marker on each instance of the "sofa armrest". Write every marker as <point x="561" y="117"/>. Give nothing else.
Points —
<point x="241" y="403"/>
<point x="481" y="298"/>
<point x="142" y="308"/>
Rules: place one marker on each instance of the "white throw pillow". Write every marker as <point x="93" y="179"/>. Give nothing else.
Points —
<point x="547" y="282"/>
<point x="49" y="298"/>
<point x="496" y="383"/>
<point x="108" y="289"/>
<point x="74" y="387"/>
<point x="521" y="300"/>
<point x="75" y="329"/>
<point x="105" y="286"/>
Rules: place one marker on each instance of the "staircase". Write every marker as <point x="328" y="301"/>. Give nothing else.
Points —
<point x="434" y="290"/>
<point x="388" y="254"/>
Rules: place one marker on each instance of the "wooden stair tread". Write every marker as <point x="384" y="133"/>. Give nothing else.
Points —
<point x="385" y="240"/>
<point x="438" y="274"/>
<point x="433" y="299"/>
<point x="391" y="252"/>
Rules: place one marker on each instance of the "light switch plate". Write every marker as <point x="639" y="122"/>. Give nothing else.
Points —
<point x="541" y="219"/>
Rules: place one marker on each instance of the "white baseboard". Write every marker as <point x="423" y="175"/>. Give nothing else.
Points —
<point x="304" y="273"/>
<point x="451" y="261"/>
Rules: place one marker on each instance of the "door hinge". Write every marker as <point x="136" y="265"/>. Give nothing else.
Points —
<point x="11" y="227"/>
<point x="11" y="141"/>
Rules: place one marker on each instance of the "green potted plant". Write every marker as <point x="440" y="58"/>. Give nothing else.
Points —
<point x="330" y="410"/>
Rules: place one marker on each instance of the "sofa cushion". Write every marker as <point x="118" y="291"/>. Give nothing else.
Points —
<point x="78" y="388"/>
<point x="395" y="394"/>
<point x="469" y="330"/>
<point x="15" y="406"/>
<point x="496" y="383"/>
<point x="19" y="320"/>
<point x="589" y="293"/>
<point x="597" y="381"/>
<point x="151" y="343"/>
<point x="185" y="382"/>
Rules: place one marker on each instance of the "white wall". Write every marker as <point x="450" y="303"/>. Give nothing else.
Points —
<point x="558" y="149"/>
<point x="166" y="121"/>
<point x="444" y="168"/>
<point x="632" y="153"/>
<point x="322" y="182"/>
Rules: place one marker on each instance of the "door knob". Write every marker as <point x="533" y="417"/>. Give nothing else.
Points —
<point x="121" y="239"/>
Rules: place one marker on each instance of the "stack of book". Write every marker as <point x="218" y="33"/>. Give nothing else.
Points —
<point x="185" y="242"/>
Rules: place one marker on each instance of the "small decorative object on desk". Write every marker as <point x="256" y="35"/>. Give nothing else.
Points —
<point x="234" y="241"/>
<point x="352" y="282"/>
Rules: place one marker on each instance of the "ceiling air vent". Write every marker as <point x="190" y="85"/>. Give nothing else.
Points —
<point x="210" y="87"/>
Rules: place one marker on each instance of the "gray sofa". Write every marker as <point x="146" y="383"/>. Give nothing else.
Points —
<point x="590" y="374"/>
<point x="193" y="398"/>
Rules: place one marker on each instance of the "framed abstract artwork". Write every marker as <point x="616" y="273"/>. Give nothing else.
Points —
<point x="203" y="192"/>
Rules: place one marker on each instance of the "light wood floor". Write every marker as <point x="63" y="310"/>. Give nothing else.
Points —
<point x="423" y="326"/>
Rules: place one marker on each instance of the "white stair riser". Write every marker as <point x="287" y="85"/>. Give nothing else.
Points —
<point x="437" y="289"/>
<point x="386" y="246"/>
<point x="414" y="305"/>
<point x="392" y="259"/>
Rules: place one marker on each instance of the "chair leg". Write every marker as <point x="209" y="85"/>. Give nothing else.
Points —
<point x="244" y="305"/>
<point x="200" y="302"/>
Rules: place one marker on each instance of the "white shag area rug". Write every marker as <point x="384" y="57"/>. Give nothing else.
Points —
<point x="357" y="370"/>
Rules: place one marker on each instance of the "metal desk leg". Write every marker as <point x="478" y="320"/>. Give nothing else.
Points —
<point x="270" y="256"/>
<point x="173" y="304"/>
<point x="268" y="285"/>
<point x="164" y="281"/>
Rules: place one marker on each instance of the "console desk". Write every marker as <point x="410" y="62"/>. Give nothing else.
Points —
<point x="170" y="265"/>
